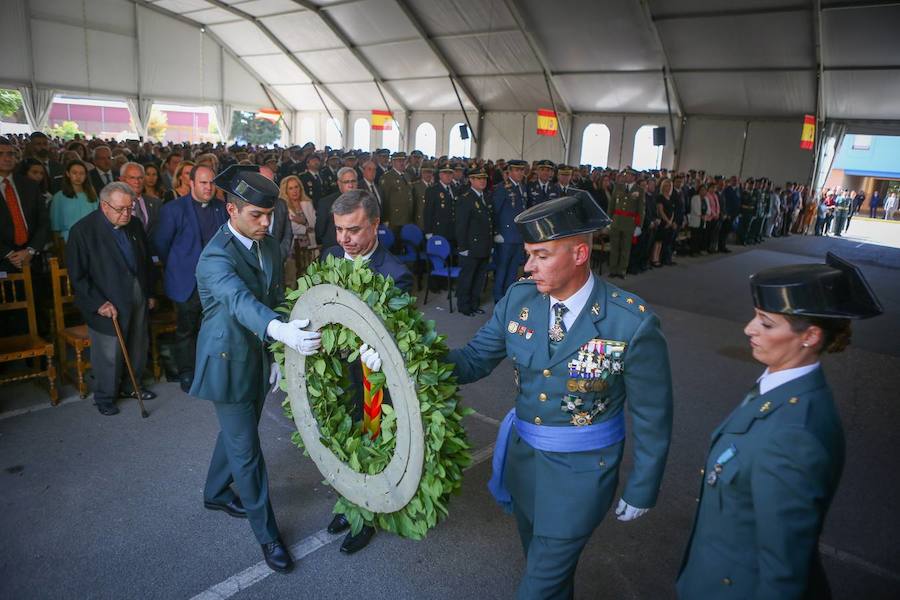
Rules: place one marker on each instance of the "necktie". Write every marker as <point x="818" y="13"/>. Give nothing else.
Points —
<point x="558" y="329"/>
<point x="752" y="395"/>
<point x="254" y="249"/>
<point x="20" y="228"/>
<point x="141" y="211"/>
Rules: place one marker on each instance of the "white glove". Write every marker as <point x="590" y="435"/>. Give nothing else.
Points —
<point x="369" y="357"/>
<point x="428" y="236"/>
<point x="498" y="239"/>
<point x="627" y="512"/>
<point x="293" y="335"/>
<point x="274" y="376"/>
<point x="637" y="231"/>
<point x="463" y="252"/>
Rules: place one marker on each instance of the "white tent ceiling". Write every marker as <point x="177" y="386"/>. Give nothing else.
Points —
<point x="742" y="58"/>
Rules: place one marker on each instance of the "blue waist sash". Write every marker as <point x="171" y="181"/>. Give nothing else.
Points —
<point x="550" y="439"/>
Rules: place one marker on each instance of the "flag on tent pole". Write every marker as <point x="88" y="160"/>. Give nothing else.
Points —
<point x="547" y="123"/>
<point x="809" y="132"/>
<point x="268" y="114"/>
<point x="381" y="120"/>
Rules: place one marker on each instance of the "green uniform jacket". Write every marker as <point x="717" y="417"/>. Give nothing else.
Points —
<point x="396" y="192"/>
<point x="237" y="298"/>
<point x="567" y="494"/>
<point x="630" y="202"/>
<point x="757" y="526"/>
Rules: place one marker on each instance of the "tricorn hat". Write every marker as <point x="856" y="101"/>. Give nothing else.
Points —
<point x="836" y="289"/>
<point x="246" y="182"/>
<point x="560" y="218"/>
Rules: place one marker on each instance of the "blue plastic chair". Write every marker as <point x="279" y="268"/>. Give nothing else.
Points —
<point x="385" y="237"/>
<point x="412" y="237"/>
<point x="438" y="251"/>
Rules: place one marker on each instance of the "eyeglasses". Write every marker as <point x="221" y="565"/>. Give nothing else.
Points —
<point x="119" y="211"/>
<point x="347" y="181"/>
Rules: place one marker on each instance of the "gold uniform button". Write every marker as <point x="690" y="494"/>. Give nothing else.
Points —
<point x="702" y="471"/>
<point x="224" y="355"/>
<point x="726" y="581"/>
<point x="546" y="372"/>
<point x="794" y="400"/>
<point x="542" y="397"/>
<point x="537" y="421"/>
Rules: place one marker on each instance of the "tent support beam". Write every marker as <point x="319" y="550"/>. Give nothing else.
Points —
<point x="380" y="83"/>
<point x="668" y="80"/>
<point x="284" y="49"/>
<point x="820" y="92"/>
<point x="215" y="38"/>
<point x="538" y="53"/>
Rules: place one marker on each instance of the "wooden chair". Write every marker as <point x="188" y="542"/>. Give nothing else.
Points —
<point x="17" y="293"/>
<point x="75" y="336"/>
<point x="163" y="320"/>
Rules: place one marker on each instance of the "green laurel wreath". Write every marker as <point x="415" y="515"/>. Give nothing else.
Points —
<point x="328" y="384"/>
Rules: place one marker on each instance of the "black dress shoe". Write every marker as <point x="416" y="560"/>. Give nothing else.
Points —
<point x="277" y="557"/>
<point x="355" y="543"/>
<point x="107" y="409"/>
<point x="186" y="380"/>
<point x="233" y="507"/>
<point x="338" y="524"/>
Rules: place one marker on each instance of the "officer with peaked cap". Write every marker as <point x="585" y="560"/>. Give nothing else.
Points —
<point x="419" y="190"/>
<point x="396" y="194"/>
<point x="474" y="240"/>
<point x="542" y="189"/>
<point x="583" y="352"/>
<point x="774" y="464"/>
<point x="509" y="200"/>
<point x="239" y="280"/>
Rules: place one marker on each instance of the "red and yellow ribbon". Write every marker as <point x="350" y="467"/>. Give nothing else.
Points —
<point x="371" y="405"/>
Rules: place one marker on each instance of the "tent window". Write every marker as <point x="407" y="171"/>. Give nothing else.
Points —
<point x="426" y="139"/>
<point x="646" y="155"/>
<point x="361" y="134"/>
<point x="333" y="134"/>
<point x="390" y="138"/>
<point x="308" y="130"/>
<point x="595" y="145"/>
<point x="458" y="146"/>
<point x="862" y="142"/>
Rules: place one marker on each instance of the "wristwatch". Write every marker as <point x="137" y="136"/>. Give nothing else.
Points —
<point x="31" y="251"/>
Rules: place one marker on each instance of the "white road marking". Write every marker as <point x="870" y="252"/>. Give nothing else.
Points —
<point x="253" y="575"/>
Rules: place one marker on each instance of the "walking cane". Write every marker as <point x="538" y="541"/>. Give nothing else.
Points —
<point x="134" y="383"/>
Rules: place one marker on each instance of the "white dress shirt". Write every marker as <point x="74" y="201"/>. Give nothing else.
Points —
<point x="575" y="303"/>
<point x="769" y="381"/>
<point x="366" y="256"/>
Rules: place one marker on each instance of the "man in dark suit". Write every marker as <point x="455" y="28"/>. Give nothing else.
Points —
<point x="186" y="225"/>
<point x="146" y="208"/>
<point x="474" y="224"/>
<point x="112" y="275"/>
<point x="24" y="223"/>
<point x="102" y="174"/>
<point x="356" y="219"/>
<point x="40" y="147"/>
<point x="346" y="181"/>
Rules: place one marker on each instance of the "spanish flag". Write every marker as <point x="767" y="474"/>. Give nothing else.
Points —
<point x="381" y="120"/>
<point x="809" y="132"/>
<point x="268" y="114"/>
<point x="547" y="123"/>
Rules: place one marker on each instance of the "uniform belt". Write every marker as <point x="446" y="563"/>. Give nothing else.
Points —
<point x="550" y="439"/>
<point x="625" y="213"/>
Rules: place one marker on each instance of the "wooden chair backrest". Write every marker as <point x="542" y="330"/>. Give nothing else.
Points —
<point x="62" y="292"/>
<point x="16" y="293"/>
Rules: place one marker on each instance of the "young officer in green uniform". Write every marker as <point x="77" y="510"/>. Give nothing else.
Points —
<point x="775" y="462"/>
<point x="240" y="282"/>
<point x="580" y="348"/>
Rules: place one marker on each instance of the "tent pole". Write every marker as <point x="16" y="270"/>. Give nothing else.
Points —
<point x="744" y="150"/>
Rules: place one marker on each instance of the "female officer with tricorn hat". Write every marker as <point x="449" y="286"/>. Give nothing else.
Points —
<point x="775" y="462"/>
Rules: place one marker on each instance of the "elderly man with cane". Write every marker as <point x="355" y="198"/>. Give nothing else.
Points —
<point x="111" y="271"/>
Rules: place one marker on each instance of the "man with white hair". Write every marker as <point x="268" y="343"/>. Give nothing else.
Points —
<point x="146" y="208"/>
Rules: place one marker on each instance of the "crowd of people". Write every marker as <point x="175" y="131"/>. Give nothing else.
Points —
<point x="472" y="203"/>
<point x="223" y="222"/>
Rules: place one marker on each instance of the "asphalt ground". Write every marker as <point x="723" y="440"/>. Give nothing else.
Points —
<point x="111" y="507"/>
